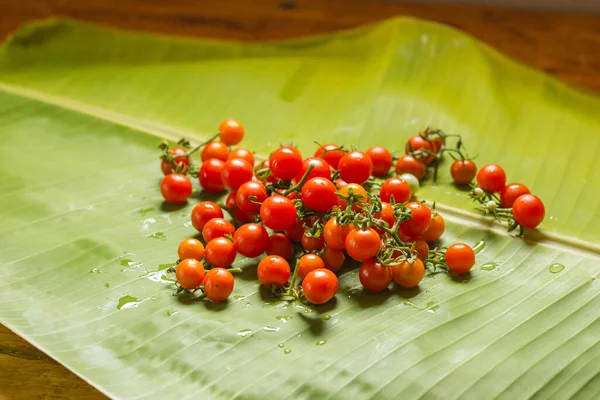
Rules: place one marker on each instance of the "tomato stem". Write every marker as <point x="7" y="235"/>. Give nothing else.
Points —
<point x="298" y="185"/>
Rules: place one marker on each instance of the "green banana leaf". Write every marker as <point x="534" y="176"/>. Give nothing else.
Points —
<point x="85" y="237"/>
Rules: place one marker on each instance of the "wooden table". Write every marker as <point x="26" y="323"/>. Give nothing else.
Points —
<point x="565" y="45"/>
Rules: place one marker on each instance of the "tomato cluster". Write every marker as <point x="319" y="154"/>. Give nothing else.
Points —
<point x="324" y="208"/>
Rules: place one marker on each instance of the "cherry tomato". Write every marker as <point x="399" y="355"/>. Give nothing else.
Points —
<point x="362" y="244"/>
<point x="318" y="194"/>
<point x="218" y="284"/>
<point x="216" y="150"/>
<point x="249" y="189"/>
<point x="374" y="276"/>
<point x="340" y="183"/>
<point x="220" y="252"/>
<point x="242" y="153"/>
<point x="251" y="240"/>
<point x="355" y="167"/>
<point x="295" y="232"/>
<point x="320" y="168"/>
<point x="204" y="212"/>
<point x="176" y="188"/>
<point x="231" y="132"/>
<point x="435" y="230"/>
<point x="236" y="172"/>
<point x="511" y="192"/>
<point x="191" y="248"/>
<point x="308" y="263"/>
<point x="311" y="243"/>
<point x="422" y="249"/>
<point x="397" y="188"/>
<point x="181" y="163"/>
<point x="278" y="213"/>
<point x="217" y="227"/>
<point x="416" y="143"/>
<point x="285" y="162"/>
<point x="280" y="245"/>
<point x="382" y="160"/>
<point x="335" y="234"/>
<point x="419" y="222"/>
<point x="409" y="165"/>
<point x="491" y="178"/>
<point x="210" y="175"/>
<point x="319" y="286"/>
<point x="408" y="274"/>
<point x="386" y="215"/>
<point x="273" y="270"/>
<point x="360" y="195"/>
<point x="528" y="210"/>
<point x="239" y="215"/>
<point x="333" y="259"/>
<point x="460" y="258"/>
<point x="463" y="171"/>
<point x="332" y="156"/>
<point x="189" y="273"/>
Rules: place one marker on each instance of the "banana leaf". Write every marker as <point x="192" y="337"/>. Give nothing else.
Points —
<point x="86" y="238"/>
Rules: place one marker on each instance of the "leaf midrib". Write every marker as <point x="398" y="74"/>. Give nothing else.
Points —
<point x="555" y="240"/>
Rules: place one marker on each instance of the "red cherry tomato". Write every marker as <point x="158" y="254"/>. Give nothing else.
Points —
<point x="419" y="222"/>
<point x="280" y="245"/>
<point x="278" y="213"/>
<point x="463" y="171"/>
<point x="285" y="162"/>
<point x="374" y="276"/>
<point x="511" y="192"/>
<point x="363" y="244"/>
<point x="236" y="172"/>
<point x="410" y="165"/>
<point x="460" y="258"/>
<point x="386" y="215"/>
<point x="217" y="227"/>
<point x="220" y="252"/>
<point x="181" y="163"/>
<point x="231" y="132"/>
<point x="355" y="167"/>
<point x="176" y="188"/>
<point x="242" y="153"/>
<point x="397" y="188"/>
<point x="418" y="144"/>
<point x="491" y="178"/>
<point x="308" y="263"/>
<point x="528" y="210"/>
<point x="273" y="270"/>
<point x="189" y="274"/>
<point x="218" y="284"/>
<point x="319" y="286"/>
<point x="360" y="195"/>
<point x="312" y="243"/>
<point x="216" y="150"/>
<point x="240" y="216"/>
<point x="320" y="168"/>
<point x="318" y="194"/>
<point x="249" y="194"/>
<point x="210" y="175"/>
<point x="204" y="212"/>
<point x="251" y="240"/>
<point x="332" y="156"/>
<point x="382" y="160"/>
<point x="335" y="234"/>
<point x="333" y="259"/>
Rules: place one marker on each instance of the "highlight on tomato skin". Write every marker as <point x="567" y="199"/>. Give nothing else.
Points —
<point x="491" y="178"/>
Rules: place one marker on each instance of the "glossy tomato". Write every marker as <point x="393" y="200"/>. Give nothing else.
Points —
<point x="231" y="132"/>
<point x="280" y="245"/>
<point x="491" y="178"/>
<point x="329" y="153"/>
<point x="320" y="168"/>
<point x="189" y="273"/>
<point x="220" y="252"/>
<point x="251" y="240"/>
<point x="463" y="171"/>
<point x="528" y="210"/>
<point x="273" y="270"/>
<point x="218" y="150"/>
<point x="355" y="167"/>
<point x="374" y="276"/>
<point x="176" y="188"/>
<point x="285" y="162"/>
<point x="460" y="258"/>
<point x="250" y="196"/>
<point x="318" y="194"/>
<point x="419" y="222"/>
<point x="236" y="172"/>
<point x="362" y="244"/>
<point x="382" y="160"/>
<point x="217" y="227"/>
<point x="210" y="175"/>
<point x="408" y="164"/>
<point x="278" y="213"/>
<point x="320" y="286"/>
<point x="218" y="284"/>
<point x="397" y="188"/>
<point x="511" y="192"/>
<point x="204" y="212"/>
<point x="408" y="274"/>
<point x="191" y="248"/>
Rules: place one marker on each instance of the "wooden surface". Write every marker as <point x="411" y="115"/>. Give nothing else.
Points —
<point x="562" y="45"/>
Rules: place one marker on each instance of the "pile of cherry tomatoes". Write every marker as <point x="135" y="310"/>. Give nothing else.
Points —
<point x="305" y="216"/>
